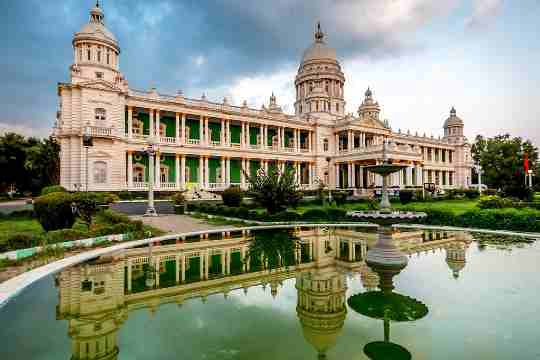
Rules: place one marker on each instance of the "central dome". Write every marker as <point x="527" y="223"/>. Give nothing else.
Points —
<point x="319" y="50"/>
<point x="96" y="30"/>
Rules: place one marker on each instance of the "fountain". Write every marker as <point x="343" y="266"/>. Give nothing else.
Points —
<point x="387" y="261"/>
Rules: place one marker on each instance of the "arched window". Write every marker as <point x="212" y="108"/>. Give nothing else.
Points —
<point x="88" y="53"/>
<point x="100" y="172"/>
<point x="100" y="114"/>
<point x="325" y="145"/>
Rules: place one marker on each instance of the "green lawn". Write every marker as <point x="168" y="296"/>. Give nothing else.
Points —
<point x="458" y="206"/>
<point x="18" y="225"/>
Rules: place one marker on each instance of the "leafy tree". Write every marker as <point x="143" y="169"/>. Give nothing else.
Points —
<point x="501" y="159"/>
<point x="274" y="190"/>
<point x="28" y="164"/>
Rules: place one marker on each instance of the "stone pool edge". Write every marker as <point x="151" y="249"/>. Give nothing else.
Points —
<point x="12" y="287"/>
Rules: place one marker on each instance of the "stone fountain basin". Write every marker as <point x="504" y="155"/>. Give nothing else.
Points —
<point x="385" y="169"/>
<point x="382" y="217"/>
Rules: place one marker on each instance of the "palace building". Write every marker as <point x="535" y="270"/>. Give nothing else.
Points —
<point x="212" y="145"/>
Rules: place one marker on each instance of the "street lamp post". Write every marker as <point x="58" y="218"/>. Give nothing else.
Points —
<point x="329" y="189"/>
<point x="150" y="210"/>
<point x="87" y="142"/>
<point x="479" y="171"/>
<point x="530" y="174"/>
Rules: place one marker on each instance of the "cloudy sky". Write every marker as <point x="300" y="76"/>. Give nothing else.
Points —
<point x="420" y="57"/>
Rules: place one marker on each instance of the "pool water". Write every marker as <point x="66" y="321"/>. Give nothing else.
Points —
<point x="283" y="294"/>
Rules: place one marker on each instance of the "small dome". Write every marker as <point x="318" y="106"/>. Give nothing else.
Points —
<point x="95" y="29"/>
<point x="368" y="92"/>
<point x="319" y="50"/>
<point x="453" y="119"/>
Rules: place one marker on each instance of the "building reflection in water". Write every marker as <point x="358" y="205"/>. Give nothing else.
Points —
<point x="96" y="297"/>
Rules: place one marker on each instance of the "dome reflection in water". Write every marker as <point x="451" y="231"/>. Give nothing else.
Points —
<point x="96" y="297"/>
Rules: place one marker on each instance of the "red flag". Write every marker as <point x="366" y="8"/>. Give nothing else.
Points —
<point x="526" y="162"/>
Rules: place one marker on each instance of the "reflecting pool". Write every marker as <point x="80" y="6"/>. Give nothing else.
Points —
<point x="302" y="293"/>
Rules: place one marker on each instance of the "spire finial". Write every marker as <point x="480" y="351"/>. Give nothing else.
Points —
<point x="97" y="3"/>
<point x="319" y="35"/>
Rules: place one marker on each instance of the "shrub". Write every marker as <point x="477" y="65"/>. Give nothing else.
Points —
<point x="283" y="216"/>
<point x="52" y="189"/>
<point x="242" y="212"/>
<point x="20" y="241"/>
<point x="518" y="191"/>
<point x="125" y="195"/>
<point x="274" y="191"/>
<point x="54" y="211"/>
<point x="113" y="217"/>
<point x="339" y="197"/>
<point x="86" y="204"/>
<point x="315" y="215"/>
<point x="335" y="214"/>
<point x="471" y="193"/>
<point x="178" y="198"/>
<point x="405" y="196"/>
<point x="58" y="236"/>
<point x="232" y="196"/>
<point x="494" y="202"/>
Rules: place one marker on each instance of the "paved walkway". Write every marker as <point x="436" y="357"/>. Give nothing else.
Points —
<point x="177" y="223"/>
<point x="7" y="207"/>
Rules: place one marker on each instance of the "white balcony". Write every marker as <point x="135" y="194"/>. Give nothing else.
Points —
<point x="166" y="186"/>
<point x="304" y="150"/>
<point x="235" y="145"/>
<point x="215" y="143"/>
<point x="167" y="140"/>
<point x="140" y="185"/>
<point x="98" y="131"/>
<point x="217" y="186"/>
<point x="193" y="141"/>
<point x="140" y="136"/>
<point x="289" y="149"/>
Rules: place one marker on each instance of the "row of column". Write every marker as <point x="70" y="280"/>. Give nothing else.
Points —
<point x="204" y="170"/>
<point x="204" y="263"/>
<point x="225" y="134"/>
<point x="439" y="177"/>
<point x="443" y="155"/>
<point x="364" y="141"/>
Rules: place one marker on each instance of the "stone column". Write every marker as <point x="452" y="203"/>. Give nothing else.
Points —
<point x="130" y="122"/>
<point x="336" y="165"/>
<point x="310" y="174"/>
<point x="242" y="177"/>
<point x="283" y="137"/>
<point x="222" y="134"/>
<point x="183" y="172"/>
<point x="228" y="132"/>
<point x="206" y="264"/>
<point x="151" y="127"/>
<point x="228" y="172"/>
<point x="349" y="140"/>
<point x="310" y="133"/>
<point x="223" y="176"/>
<point x="201" y="172"/>
<point x="156" y="266"/>
<point x="248" y="143"/>
<point x="337" y="142"/>
<point x="177" y="268"/>
<point x="361" y="177"/>
<point x="353" y="175"/>
<point x="184" y="135"/>
<point x="183" y="268"/>
<point x="177" y="171"/>
<point x="157" y="125"/>
<point x="201" y="266"/>
<point x="129" y="275"/>
<point x="350" y="249"/>
<point x="206" y="172"/>
<point x="129" y="169"/>
<point x="242" y="135"/>
<point x="201" y="130"/>
<point x="208" y="140"/>
<point x="177" y="128"/>
<point x="261" y="136"/>
<point x="157" y="171"/>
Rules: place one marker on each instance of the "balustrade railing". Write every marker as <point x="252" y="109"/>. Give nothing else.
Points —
<point x="167" y="140"/>
<point x="101" y="131"/>
<point x="193" y="141"/>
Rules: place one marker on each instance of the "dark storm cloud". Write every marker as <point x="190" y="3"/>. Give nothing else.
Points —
<point x="182" y="45"/>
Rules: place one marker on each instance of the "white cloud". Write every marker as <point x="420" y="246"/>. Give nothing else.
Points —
<point x="26" y="130"/>
<point x="199" y="60"/>
<point x="483" y="13"/>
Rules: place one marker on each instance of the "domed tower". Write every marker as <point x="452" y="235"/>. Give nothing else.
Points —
<point x="321" y="307"/>
<point x="96" y="51"/>
<point x="369" y="109"/>
<point x="453" y="127"/>
<point x="319" y="82"/>
<point x="455" y="258"/>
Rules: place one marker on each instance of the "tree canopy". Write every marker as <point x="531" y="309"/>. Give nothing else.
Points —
<point x="501" y="159"/>
<point x="28" y="164"/>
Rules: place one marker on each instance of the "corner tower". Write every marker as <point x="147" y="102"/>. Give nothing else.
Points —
<point x="96" y="51"/>
<point x="319" y="82"/>
<point x="453" y="128"/>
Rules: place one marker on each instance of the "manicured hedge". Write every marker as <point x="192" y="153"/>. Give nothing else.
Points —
<point x="54" y="211"/>
<point x="496" y="219"/>
<point x="232" y="196"/>
<point x="52" y="189"/>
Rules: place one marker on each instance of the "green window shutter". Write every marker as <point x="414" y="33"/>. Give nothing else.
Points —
<point x="235" y="171"/>
<point x="235" y="133"/>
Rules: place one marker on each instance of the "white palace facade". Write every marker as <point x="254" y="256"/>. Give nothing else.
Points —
<point x="205" y="144"/>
